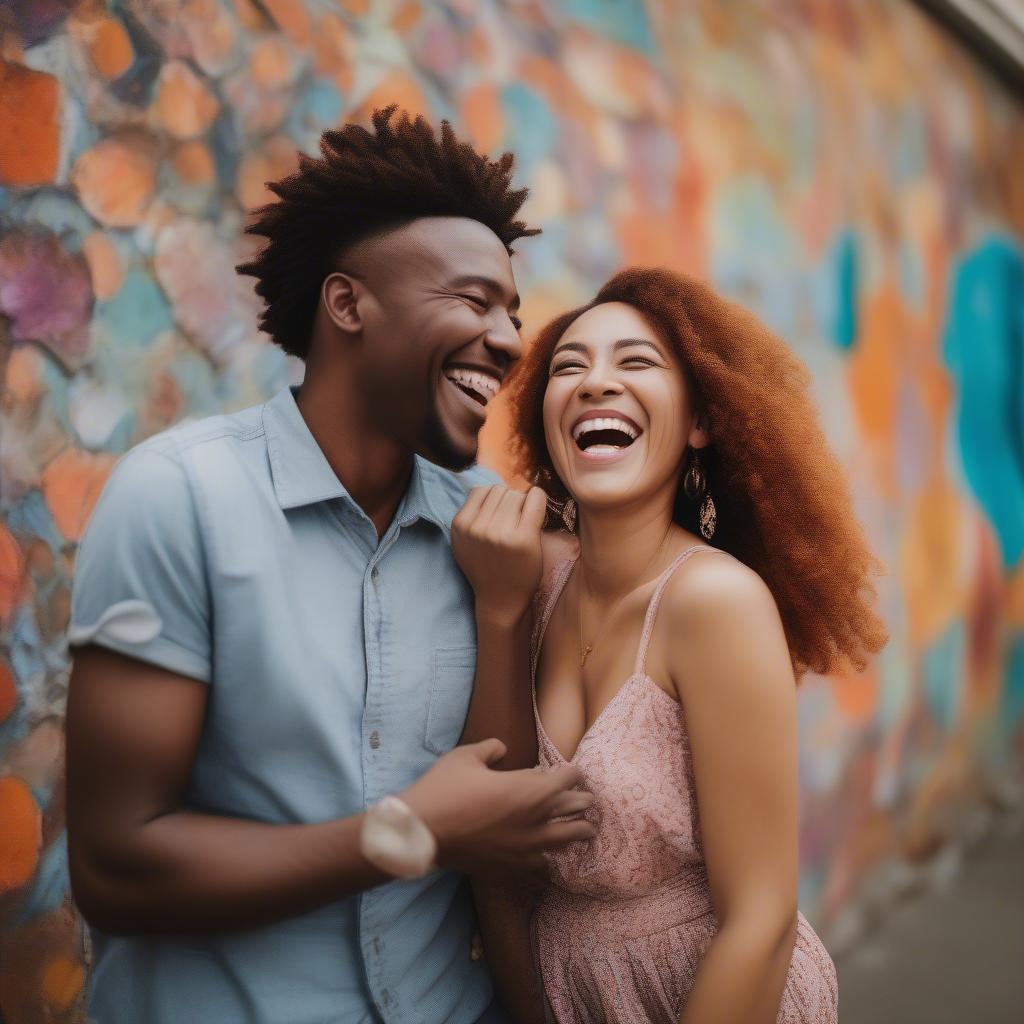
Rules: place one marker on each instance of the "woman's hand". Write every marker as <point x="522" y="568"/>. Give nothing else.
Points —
<point x="496" y="542"/>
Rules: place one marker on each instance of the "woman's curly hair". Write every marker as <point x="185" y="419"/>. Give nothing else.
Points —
<point x="362" y="184"/>
<point x="783" y="502"/>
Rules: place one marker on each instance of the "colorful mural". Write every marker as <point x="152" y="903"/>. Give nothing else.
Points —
<point x="841" y="166"/>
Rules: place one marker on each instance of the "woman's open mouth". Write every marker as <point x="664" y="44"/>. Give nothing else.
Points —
<point x="604" y="438"/>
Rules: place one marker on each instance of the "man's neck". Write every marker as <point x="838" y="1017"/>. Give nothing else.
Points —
<point x="374" y="469"/>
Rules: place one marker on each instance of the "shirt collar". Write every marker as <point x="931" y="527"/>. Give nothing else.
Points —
<point x="303" y="476"/>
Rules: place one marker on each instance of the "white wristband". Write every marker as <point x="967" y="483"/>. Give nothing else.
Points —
<point x="395" y="840"/>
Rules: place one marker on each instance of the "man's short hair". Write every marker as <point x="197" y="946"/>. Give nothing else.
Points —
<point x="366" y="183"/>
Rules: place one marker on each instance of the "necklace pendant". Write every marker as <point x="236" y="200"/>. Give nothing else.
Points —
<point x="584" y="653"/>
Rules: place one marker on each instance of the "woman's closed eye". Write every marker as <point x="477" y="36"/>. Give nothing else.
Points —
<point x="632" y="363"/>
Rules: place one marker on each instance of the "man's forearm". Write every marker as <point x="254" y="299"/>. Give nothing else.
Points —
<point x="502" y="702"/>
<point x="194" y="873"/>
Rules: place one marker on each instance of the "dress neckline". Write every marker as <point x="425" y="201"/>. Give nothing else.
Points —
<point x="639" y="673"/>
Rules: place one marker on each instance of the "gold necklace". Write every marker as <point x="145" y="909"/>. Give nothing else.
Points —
<point x="586" y="649"/>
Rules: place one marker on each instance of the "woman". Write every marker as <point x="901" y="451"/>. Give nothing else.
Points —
<point x="716" y="559"/>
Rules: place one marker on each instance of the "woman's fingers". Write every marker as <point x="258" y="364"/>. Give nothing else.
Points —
<point x="533" y="510"/>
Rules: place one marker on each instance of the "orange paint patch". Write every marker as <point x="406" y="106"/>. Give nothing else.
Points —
<point x="110" y="48"/>
<point x="483" y="117"/>
<point x="62" y="983"/>
<point x="332" y="46"/>
<point x="874" y="370"/>
<point x="20" y="833"/>
<point x="12" y="574"/>
<point x="8" y="691"/>
<point x="71" y="484"/>
<point x="291" y="18"/>
<point x="29" y="126"/>
<point x="271" y="63"/>
<point x="104" y="264"/>
<point x="193" y="163"/>
<point x="24" y="372"/>
<point x="278" y="160"/>
<point x="932" y="563"/>
<point x="183" y="107"/>
<point x="406" y="17"/>
<point x="398" y="88"/>
<point x="115" y="180"/>
<point x="355" y="7"/>
<point x="856" y="695"/>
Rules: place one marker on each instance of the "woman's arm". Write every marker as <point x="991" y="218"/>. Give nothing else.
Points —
<point x="496" y="538"/>
<point x="731" y="668"/>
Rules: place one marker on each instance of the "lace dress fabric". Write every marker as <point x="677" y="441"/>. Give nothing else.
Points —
<point x="627" y="917"/>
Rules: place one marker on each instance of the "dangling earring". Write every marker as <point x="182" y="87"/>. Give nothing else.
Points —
<point x="565" y="510"/>
<point x="695" y="486"/>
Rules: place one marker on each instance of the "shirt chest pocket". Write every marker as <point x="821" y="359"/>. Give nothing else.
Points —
<point x="451" y="687"/>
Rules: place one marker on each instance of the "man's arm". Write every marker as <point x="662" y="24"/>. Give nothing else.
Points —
<point x="142" y="862"/>
<point x="139" y="860"/>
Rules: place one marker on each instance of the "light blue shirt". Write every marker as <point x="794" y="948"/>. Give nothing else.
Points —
<point x="339" y="669"/>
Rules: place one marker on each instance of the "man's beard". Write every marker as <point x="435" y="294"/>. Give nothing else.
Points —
<point x="438" y="446"/>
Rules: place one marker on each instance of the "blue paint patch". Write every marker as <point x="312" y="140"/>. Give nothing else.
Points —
<point x="530" y="126"/>
<point x="624" y="21"/>
<point x="31" y="517"/>
<point x="135" y="315"/>
<point x="49" y="884"/>
<point x="984" y="350"/>
<point x="847" y="264"/>
<point x="943" y="668"/>
<point x="320" y="107"/>
<point x="1011" y="703"/>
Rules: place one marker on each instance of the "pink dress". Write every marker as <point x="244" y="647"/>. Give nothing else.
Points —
<point x="627" y="918"/>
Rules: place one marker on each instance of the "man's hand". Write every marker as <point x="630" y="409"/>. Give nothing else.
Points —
<point x="496" y="542"/>
<point x="485" y="820"/>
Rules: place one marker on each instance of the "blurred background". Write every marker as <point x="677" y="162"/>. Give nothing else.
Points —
<point x="852" y="170"/>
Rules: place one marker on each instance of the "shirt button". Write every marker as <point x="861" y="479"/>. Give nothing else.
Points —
<point x="375" y="573"/>
<point x="374" y="739"/>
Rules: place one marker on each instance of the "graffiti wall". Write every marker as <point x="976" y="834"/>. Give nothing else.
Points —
<point x="841" y="166"/>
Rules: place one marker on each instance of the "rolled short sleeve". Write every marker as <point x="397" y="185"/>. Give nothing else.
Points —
<point x="140" y="583"/>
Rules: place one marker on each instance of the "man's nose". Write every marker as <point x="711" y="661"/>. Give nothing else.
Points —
<point x="503" y="337"/>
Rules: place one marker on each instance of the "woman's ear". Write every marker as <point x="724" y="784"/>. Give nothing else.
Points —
<point x="699" y="437"/>
<point x="341" y="300"/>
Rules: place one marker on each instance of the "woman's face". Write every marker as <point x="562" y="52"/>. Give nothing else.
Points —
<point x="617" y="414"/>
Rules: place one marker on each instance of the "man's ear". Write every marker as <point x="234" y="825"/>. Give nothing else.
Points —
<point x="341" y="295"/>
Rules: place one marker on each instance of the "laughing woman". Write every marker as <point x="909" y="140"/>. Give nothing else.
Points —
<point x="716" y="558"/>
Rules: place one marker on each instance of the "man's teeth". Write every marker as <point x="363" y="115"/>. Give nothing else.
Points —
<point x="483" y="384"/>
<point x="605" y="423"/>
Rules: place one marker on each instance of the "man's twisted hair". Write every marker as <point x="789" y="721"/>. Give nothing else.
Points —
<point x="363" y="184"/>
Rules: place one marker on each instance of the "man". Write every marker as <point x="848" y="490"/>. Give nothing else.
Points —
<point x="272" y="636"/>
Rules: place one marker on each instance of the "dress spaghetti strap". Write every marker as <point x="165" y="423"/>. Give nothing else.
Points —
<point x="652" y="607"/>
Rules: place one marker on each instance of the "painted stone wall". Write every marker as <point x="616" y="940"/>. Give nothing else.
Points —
<point x="844" y="168"/>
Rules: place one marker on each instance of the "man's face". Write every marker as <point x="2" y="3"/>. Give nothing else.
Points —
<point x="439" y="333"/>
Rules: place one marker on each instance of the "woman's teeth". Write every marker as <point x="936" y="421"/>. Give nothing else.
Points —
<point x="607" y="434"/>
<point x="480" y="386"/>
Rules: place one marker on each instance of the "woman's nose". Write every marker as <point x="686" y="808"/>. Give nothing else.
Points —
<point x="599" y="382"/>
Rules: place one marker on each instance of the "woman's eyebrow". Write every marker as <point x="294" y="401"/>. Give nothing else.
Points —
<point x="627" y="342"/>
<point x="578" y="346"/>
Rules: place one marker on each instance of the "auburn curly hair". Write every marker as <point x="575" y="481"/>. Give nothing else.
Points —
<point x="365" y="183"/>
<point x="783" y="502"/>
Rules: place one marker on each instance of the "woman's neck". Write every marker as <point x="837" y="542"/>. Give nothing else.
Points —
<point x="620" y="547"/>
